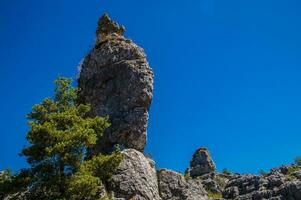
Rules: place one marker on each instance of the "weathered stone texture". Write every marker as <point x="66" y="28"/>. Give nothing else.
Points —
<point x="276" y="185"/>
<point x="135" y="178"/>
<point x="201" y="163"/>
<point x="116" y="80"/>
<point x="173" y="186"/>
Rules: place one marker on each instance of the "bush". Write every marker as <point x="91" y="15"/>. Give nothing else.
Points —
<point x="226" y="171"/>
<point x="292" y="169"/>
<point x="221" y="182"/>
<point x="214" y="195"/>
<point x="298" y="160"/>
<point x="93" y="175"/>
<point x="262" y="172"/>
<point x="187" y="175"/>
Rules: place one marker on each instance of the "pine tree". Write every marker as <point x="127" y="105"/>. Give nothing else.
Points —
<point x="60" y="133"/>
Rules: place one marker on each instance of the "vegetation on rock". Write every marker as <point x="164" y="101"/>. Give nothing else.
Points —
<point x="298" y="160"/>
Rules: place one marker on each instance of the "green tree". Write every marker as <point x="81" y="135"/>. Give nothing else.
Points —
<point x="60" y="133"/>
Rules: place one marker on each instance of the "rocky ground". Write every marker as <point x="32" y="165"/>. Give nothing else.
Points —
<point x="282" y="183"/>
<point x="138" y="179"/>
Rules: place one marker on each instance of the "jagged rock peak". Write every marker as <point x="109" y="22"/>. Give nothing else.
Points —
<point x="117" y="81"/>
<point x="107" y="27"/>
<point x="201" y="163"/>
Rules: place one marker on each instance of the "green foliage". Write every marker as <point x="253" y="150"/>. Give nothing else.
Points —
<point x="226" y="171"/>
<point x="221" y="182"/>
<point x="298" y="161"/>
<point x="10" y="183"/>
<point x="290" y="178"/>
<point x="262" y="172"/>
<point x="60" y="133"/>
<point x="187" y="175"/>
<point x="88" y="181"/>
<point x="292" y="169"/>
<point x="290" y="173"/>
<point x="214" y="195"/>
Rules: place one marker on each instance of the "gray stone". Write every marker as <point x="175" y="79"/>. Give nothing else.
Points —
<point x="231" y="192"/>
<point x="135" y="178"/>
<point x="116" y="80"/>
<point x="201" y="163"/>
<point x="275" y="180"/>
<point x="271" y="186"/>
<point x="173" y="186"/>
<point x="291" y="190"/>
<point x="297" y="174"/>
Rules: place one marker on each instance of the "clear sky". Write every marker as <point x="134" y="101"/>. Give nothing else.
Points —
<point x="227" y="73"/>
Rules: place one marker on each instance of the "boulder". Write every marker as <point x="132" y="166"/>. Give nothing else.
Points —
<point x="135" y="178"/>
<point x="291" y="190"/>
<point x="173" y="186"/>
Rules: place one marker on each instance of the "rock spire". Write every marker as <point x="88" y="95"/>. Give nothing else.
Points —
<point x="117" y="81"/>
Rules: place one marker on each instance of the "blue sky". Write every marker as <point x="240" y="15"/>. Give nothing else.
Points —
<point x="227" y="73"/>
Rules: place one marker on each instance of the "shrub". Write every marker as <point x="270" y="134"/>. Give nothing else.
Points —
<point x="89" y="181"/>
<point x="298" y="160"/>
<point x="187" y="175"/>
<point x="221" y="182"/>
<point x="214" y="195"/>
<point x="226" y="171"/>
<point x="292" y="169"/>
<point x="262" y="172"/>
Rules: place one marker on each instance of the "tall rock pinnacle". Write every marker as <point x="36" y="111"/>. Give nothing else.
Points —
<point x="116" y="80"/>
<point x="201" y="163"/>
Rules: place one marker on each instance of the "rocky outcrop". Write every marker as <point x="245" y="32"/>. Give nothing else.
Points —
<point x="201" y="163"/>
<point x="116" y="80"/>
<point x="173" y="186"/>
<point x="281" y="183"/>
<point x="136" y="178"/>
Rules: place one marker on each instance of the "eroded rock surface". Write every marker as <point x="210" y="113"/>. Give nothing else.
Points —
<point x="280" y="184"/>
<point x="173" y="186"/>
<point x="201" y="163"/>
<point x="136" y="178"/>
<point x="115" y="78"/>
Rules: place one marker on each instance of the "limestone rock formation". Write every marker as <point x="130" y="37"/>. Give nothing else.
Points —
<point x="201" y="163"/>
<point x="115" y="78"/>
<point x="173" y="186"/>
<point x="279" y="184"/>
<point x="136" y="178"/>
